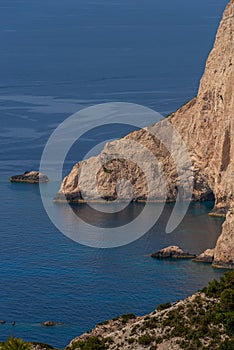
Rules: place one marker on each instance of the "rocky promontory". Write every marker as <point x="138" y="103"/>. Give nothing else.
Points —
<point x="30" y="177"/>
<point x="206" y="125"/>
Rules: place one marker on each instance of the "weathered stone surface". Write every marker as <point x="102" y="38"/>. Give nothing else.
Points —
<point x="206" y="125"/>
<point x="207" y="256"/>
<point x="224" y="250"/>
<point x="172" y="252"/>
<point x="31" y="177"/>
<point x="40" y="346"/>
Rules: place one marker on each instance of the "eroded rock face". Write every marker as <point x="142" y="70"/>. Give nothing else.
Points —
<point x="207" y="256"/>
<point x="224" y="251"/>
<point x="206" y="125"/>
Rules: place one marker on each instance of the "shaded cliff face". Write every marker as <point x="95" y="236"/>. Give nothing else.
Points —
<point x="207" y="128"/>
<point x="206" y="125"/>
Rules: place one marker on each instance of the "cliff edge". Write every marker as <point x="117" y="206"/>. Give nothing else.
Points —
<point x="206" y="125"/>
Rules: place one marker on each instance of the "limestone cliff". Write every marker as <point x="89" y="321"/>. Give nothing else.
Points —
<point x="206" y="125"/>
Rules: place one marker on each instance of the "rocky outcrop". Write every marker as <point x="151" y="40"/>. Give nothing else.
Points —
<point x="224" y="251"/>
<point x="207" y="256"/>
<point x="40" y="346"/>
<point x="30" y="177"/>
<point x="173" y="252"/>
<point x="206" y="125"/>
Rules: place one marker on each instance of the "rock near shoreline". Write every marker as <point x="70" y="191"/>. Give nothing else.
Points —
<point x="173" y="252"/>
<point x="207" y="256"/>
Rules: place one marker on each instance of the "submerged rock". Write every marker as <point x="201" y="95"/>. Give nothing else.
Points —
<point x="50" y="323"/>
<point x="31" y="177"/>
<point x="172" y="252"/>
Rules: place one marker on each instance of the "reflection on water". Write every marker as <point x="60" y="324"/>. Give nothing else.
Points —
<point x="197" y="232"/>
<point x="100" y="218"/>
<point x="47" y="276"/>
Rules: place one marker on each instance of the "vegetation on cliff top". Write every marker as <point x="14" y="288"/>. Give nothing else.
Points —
<point x="204" y="321"/>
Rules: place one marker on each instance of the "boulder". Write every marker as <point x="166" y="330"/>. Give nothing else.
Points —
<point x="174" y="252"/>
<point x="207" y="256"/>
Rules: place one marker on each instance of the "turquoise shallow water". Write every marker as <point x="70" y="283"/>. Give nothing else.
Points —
<point x="56" y="58"/>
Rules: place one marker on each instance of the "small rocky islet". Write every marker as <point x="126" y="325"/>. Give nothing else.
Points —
<point x="173" y="252"/>
<point x="34" y="177"/>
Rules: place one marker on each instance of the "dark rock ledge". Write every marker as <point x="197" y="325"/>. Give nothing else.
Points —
<point x="30" y="177"/>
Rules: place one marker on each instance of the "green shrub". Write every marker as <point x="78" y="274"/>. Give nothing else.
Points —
<point x="159" y="340"/>
<point x="145" y="339"/>
<point x="153" y="347"/>
<point x="163" y="306"/>
<point x="131" y="340"/>
<point x="215" y="288"/>
<point x="227" y="299"/>
<point x="92" y="343"/>
<point x="126" y="317"/>
<point x="227" y="345"/>
<point x="15" y="344"/>
<point x="151" y="323"/>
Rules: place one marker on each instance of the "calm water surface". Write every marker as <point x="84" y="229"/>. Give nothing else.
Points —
<point x="56" y="58"/>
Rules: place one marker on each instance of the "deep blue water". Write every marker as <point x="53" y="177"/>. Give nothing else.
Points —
<point x="56" y="58"/>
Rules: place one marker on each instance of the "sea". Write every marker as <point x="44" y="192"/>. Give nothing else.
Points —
<point x="58" y="57"/>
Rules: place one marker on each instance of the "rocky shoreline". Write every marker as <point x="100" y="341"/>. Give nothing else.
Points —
<point x="201" y="321"/>
<point x="175" y="252"/>
<point x="206" y="125"/>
